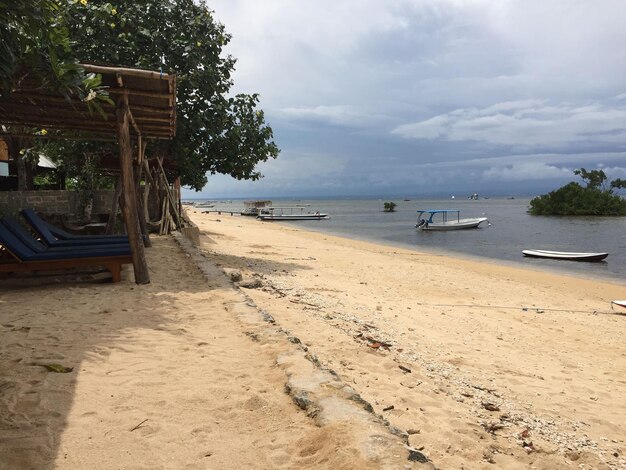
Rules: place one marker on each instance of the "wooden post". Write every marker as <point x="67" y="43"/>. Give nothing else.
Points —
<point x="114" y="205"/>
<point x="142" y="220"/>
<point x="169" y="195"/>
<point x="179" y="200"/>
<point x="142" y="276"/>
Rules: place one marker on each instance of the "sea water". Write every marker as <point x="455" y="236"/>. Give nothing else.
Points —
<point x="509" y="231"/>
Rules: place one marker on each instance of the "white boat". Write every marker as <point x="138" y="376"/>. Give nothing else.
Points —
<point x="565" y="255"/>
<point x="444" y="220"/>
<point x="620" y="303"/>
<point x="254" y="208"/>
<point x="290" y="213"/>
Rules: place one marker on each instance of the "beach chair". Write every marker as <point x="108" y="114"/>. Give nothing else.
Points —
<point x="53" y="236"/>
<point x="17" y="256"/>
<point x="30" y="240"/>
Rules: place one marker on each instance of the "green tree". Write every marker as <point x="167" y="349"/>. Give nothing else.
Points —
<point x="390" y="207"/>
<point x="618" y="184"/>
<point x="34" y="39"/>
<point x="35" y="42"/>
<point x="574" y="199"/>
<point x="594" y="178"/>
<point x="216" y="133"/>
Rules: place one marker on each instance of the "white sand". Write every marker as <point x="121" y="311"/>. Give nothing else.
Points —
<point x="472" y="334"/>
<point x="182" y="373"/>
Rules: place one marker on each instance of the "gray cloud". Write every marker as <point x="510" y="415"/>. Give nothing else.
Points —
<point x="529" y="123"/>
<point x="373" y="97"/>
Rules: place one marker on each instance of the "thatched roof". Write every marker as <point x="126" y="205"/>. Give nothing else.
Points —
<point x="151" y="100"/>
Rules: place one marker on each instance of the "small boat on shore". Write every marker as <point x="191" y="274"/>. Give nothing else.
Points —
<point x="444" y="220"/>
<point x="620" y="303"/>
<point x="565" y="255"/>
<point x="290" y="213"/>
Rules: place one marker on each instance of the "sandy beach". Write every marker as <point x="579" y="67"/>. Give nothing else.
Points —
<point x="483" y="364"/>
<point x="327" y="353"/>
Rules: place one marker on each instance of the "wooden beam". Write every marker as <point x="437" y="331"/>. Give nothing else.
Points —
<point x="96" y="138"/>
<point x="134" y="124"/>
<point x="135" y="92"/>
<point x="142" y="220"/>
<point x="149" y="130"/>
<point x="23" y="96"/>
<point x="65" y="110"/>
<point x="142" y="275"/>
<point x="125" y="71"/>
<point x="57" y="123"/>
<point x="63" y="117"/>
<point x="112" y="263"/>
<point x="17" y="108"/>
<point x="114" y="204"/>
<point x="144" y="119"/>
<point x="170" y="197"/>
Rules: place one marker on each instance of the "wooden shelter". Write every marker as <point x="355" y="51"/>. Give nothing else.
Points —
<point x="145" y="108"/>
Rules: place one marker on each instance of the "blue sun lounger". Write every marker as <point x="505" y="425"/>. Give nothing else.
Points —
<point x="56" y="237"/>
<point x="17" y="256"/>
<point x="28" y="239"/>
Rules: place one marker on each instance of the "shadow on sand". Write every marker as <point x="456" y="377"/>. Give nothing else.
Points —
<point x="67" y="324"/>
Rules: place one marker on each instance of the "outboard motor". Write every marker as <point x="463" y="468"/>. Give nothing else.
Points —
<point x="421" y="222"/>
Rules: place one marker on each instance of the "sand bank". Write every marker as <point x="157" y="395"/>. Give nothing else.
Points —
<point x="480" y="363"/>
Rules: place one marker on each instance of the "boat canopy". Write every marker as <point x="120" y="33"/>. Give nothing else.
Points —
<point x="433" y="212"/>
<point x="258" y="203"/>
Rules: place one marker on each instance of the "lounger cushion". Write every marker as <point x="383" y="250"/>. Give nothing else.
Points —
<point x="29" y="240"/>
<point x="24" y="253"/>
<point x="45" y="231"/>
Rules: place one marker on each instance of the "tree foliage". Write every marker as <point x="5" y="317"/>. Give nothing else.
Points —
<point x="215" y="133"/>
<point x="34" y="38"/>
<point x="618" y="184"/>
<point x="594" y="179"/>
<point x="574" y="199"/>
<point x="389" y="207"/>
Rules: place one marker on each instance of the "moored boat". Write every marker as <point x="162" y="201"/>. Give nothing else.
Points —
<point x="444" y="220"/>
<point x="290" y="213"/>
<point x="254" y="208"/>
<point x="565" y="255"/>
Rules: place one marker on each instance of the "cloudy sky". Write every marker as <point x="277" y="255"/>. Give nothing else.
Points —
<point x="430" y="97"/>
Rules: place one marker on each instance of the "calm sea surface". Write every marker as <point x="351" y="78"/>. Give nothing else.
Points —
<point x="511" y="231"/>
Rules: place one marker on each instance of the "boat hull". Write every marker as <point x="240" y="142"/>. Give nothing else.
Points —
<point x="462" y="224"/>
<point x="279" y="217"/>
<point x="565" y="255"/>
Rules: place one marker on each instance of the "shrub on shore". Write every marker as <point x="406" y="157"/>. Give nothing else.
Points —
<point x="574" y="199"/>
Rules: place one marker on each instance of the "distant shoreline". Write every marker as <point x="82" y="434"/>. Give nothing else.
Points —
<point x="397" y="230"/>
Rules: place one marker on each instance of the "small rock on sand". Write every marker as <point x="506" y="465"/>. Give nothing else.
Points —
<point x="250" y="283"/>
<point x="233" y="274"/>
